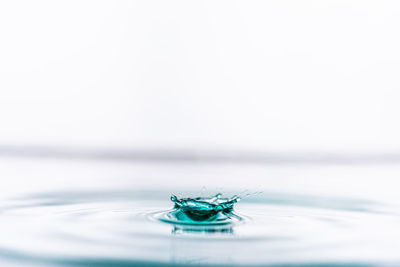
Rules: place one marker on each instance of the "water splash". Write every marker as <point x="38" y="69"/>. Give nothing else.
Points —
<point x="205" y="214"/>
<point x="204" y="209"/>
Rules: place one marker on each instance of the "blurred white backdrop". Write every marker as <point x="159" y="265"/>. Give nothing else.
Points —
<point x="263" y="75"/>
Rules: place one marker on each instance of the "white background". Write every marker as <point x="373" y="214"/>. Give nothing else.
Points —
<point x="263" y="75"/>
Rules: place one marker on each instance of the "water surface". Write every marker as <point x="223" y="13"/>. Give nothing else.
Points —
<point x="85" y="213"/>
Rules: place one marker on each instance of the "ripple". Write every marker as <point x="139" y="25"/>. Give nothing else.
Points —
<point x="128" y="226"/>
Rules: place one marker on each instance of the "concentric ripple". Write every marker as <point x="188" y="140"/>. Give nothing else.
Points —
<point x="113" y="228"/>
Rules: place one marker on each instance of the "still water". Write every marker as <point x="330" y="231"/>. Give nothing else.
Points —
<point x="66" y="212"/>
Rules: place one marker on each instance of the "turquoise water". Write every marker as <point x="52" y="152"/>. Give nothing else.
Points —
<point x="203" y="210"/>
<point x="68" y="213"/>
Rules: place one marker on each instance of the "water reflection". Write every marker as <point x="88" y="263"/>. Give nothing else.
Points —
<point x="187" y="229"/>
